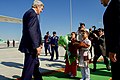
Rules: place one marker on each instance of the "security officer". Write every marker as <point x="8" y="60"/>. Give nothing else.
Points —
<point x="111" y="21"/>
<point x="54" y="46"/>
<point x="47" y="43"/>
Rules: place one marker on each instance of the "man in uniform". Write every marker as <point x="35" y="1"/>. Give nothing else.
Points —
<point x="54" y="46"/>
<point x="47" y="43"/>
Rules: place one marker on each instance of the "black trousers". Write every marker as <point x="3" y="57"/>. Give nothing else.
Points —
<point x="97" y="55"/>
<point x="31" y="67"/>
<point x="56" y="51"/>
<point x="115" y="69"/>
<point x="106" y="61"/>
<point x="47" y="47"/>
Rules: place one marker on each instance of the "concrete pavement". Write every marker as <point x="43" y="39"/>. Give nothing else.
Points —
<point x="11" y="62"/>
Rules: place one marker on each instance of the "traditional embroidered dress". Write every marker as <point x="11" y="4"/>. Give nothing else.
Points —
<point x="71" y="59"/>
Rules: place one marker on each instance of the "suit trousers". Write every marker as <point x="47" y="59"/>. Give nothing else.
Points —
<point x="47" y="47"/>
<point x="96" y="57"/>
<point x="31" y="67"/>
<point x="56" y="51"/>
<point x="115" y="67"/>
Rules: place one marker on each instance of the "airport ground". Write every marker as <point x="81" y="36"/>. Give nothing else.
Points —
<point x="11" y="65"/>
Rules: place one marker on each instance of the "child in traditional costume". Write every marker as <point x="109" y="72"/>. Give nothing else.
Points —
<point x="85" y="56"/>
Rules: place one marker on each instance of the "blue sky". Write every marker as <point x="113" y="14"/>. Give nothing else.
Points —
<point x="55" y="17"/>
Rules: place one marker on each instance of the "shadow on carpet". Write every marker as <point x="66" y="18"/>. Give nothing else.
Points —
<point x="100" y="74"/>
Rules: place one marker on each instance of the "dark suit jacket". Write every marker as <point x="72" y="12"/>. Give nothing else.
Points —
<point x="31" y="35"/>
<point x="111" y="21"/>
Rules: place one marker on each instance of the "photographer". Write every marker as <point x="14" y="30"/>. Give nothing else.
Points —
<point x="92" y="31"/>
<point x="99" y="48"/>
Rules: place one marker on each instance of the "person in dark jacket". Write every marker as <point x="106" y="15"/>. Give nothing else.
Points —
<point x="54" y="46"/>
<point x="47" y="38"/>
<point x="100" y="49"/>
<point x="111" y="21"/>
<point x="31" y="42"/>
<point x="13" y="43"/>
<point x="8" y="43"/>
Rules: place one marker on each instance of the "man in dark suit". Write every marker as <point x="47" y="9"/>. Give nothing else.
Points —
<point x="111" y="20"/>
<point x="31" y="42"/>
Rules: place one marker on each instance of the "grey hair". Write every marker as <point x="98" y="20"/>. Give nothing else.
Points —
<point x="37" y="3"/>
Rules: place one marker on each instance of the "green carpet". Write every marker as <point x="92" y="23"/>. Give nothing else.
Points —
<point x="100" y="74"/>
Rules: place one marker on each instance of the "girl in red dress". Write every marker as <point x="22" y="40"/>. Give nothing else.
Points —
<point x="71" y="57"/>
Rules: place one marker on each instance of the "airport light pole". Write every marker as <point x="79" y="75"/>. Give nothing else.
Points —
<point x="70" y="16"/>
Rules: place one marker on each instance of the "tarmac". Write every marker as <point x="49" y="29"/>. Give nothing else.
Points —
<point x="11" y="62"/>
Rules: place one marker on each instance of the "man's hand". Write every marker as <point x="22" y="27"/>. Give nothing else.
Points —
<point x="53" y="45"/>
<point x="112" y="56"/>
<point x="95" y="35"/>
<point x="39" y="49"/>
